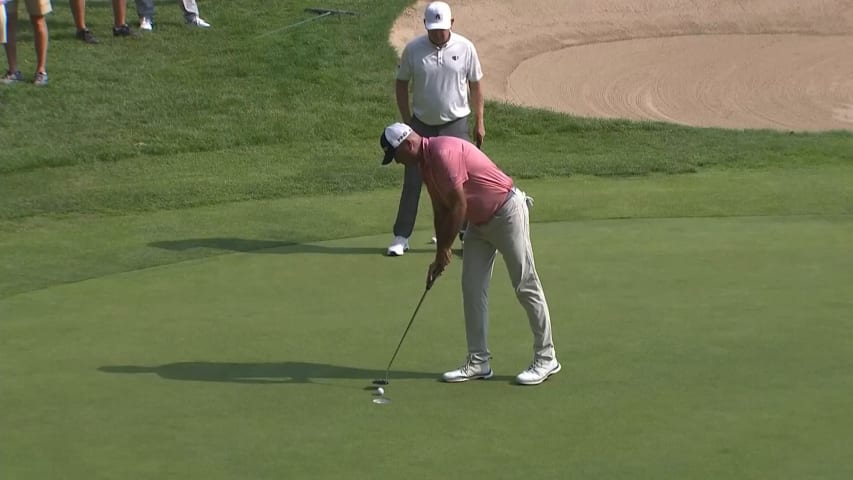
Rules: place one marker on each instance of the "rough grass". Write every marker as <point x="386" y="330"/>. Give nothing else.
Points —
<point x="248" y="110"/>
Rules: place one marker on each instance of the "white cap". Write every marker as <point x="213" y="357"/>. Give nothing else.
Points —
<point x="391" y="138"/>
<point x="437" y="16"/>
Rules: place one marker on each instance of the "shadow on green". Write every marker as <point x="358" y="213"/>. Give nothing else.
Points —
<point x="266" y="372"/>
<point x="269" y="246"/>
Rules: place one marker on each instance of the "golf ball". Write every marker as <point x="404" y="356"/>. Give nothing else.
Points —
<point x="380" y="391"/>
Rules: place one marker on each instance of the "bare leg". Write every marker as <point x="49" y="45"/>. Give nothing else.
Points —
<point x="78" y="11"/>
<point x="119" y="12"/>
<point x="40" y="37"/>
<point x="11" y="45"/>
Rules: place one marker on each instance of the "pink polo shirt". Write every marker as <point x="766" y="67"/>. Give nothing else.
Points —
<point x="449" y="161"/>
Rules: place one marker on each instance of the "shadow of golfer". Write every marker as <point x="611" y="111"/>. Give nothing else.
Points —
<point x="260" y="373"/>
<point x="267" y="246"/>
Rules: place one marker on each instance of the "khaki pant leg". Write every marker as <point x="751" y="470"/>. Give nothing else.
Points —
<point x="477" y="264"/>
<point x="509" y="231"/>
<point x="39" y="8"/>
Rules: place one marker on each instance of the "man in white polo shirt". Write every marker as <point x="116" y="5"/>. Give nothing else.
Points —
<point x="444" y="72"/>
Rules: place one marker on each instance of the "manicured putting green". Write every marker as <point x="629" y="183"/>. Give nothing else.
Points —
<point x="692" y="348"/>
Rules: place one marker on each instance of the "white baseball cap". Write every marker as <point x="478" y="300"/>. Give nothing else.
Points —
<point x="437" y="16"/>
<point x="391" y="138"/>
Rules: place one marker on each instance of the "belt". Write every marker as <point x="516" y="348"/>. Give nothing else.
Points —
<point x="509" y="196"/>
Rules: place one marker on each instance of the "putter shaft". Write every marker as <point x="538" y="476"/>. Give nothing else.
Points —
<point x="388" y="369"/>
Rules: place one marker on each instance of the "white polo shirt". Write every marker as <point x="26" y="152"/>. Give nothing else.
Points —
<point x="440" y="77"/>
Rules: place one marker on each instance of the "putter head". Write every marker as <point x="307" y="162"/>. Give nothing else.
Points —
<point x="380" y="381"/>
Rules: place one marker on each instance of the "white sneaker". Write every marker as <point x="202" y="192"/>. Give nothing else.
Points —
<point x="198" y="22"/>
<point x="538" y="372"/>
<point x="469" y="371"/>
<point x="398" y="247"/>
<point x="146" y="24"/>
<point x="433" y="240"/>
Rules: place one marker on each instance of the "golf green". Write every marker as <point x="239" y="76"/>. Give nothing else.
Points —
<point x="691" y="348"/>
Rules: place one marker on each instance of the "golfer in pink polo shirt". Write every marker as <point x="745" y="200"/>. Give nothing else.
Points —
<point x="464" y="184"/>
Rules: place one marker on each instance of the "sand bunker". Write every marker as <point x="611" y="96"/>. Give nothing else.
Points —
<point x="780" y="64"/>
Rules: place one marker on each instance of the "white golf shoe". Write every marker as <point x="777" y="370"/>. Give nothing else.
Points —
<point x="398" y="247"/>
<point x="198" y="22"/>
<point x="469" y="371"/>
<point x="538" y="372"/>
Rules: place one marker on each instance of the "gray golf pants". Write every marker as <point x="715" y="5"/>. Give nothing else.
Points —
<point x="508" y="232"/>
<point x="407" y="212"/>
<point x="145" y="8"/>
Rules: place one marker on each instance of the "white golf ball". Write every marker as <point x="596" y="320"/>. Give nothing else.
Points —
<point x="380" y="391"/>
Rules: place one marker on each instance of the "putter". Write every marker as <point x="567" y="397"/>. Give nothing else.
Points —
<point x="384" y="381"/>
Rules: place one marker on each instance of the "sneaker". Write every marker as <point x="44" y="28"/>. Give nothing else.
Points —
<point x="40" y="79"/>
<point x="469" y="371"/>
<point x="538" y="372"/>
<point x="198" y="22"/>
<point x="398" y="247"/>
<point x="86" y="36"/>
<point x="122" y="31"/>
<point x="146" y="24"/>
<point x="12" y="77"/>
